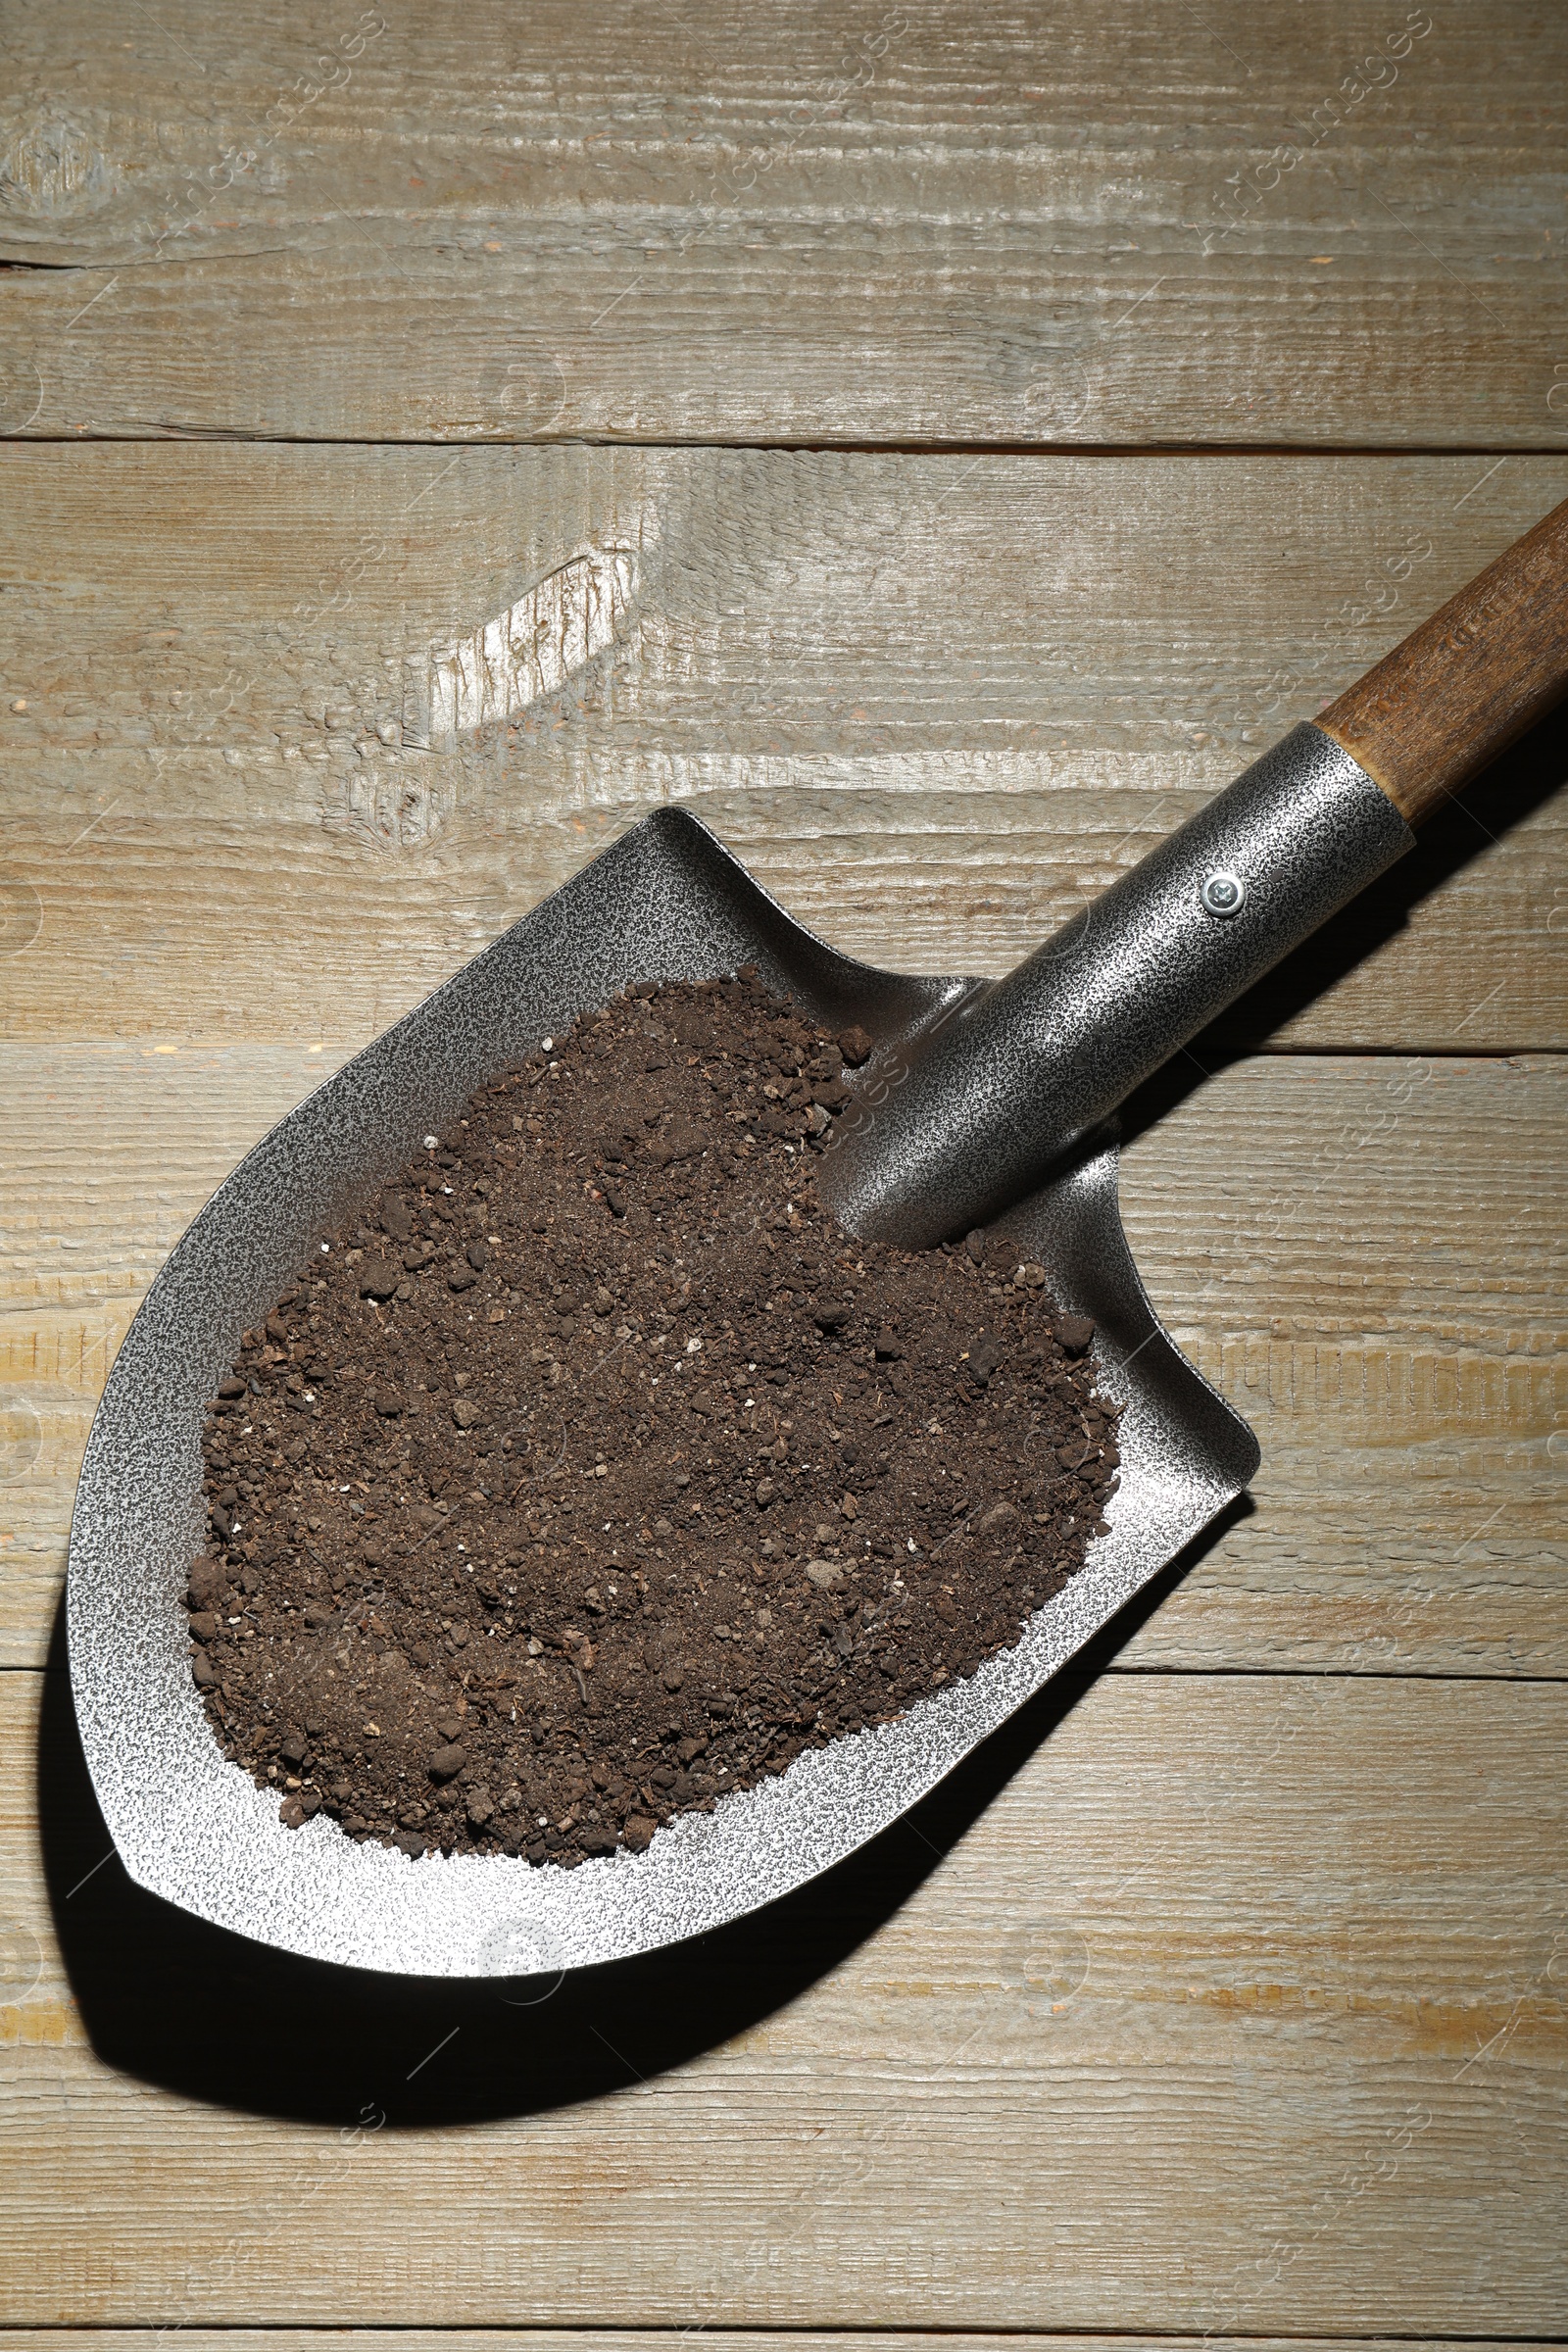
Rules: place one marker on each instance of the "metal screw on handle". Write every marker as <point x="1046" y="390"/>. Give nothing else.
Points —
<point x="1224" y="893"/>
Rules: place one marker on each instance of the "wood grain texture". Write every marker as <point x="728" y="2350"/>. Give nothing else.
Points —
<point x="288" y="734"/>
<point x="715" y="2339"/>
<point x="1364" y="1257"/>
<point x="1238" y="2007"/>
<point x="1210" y="2002"/>
<point x="1360" y="1253"/>
<point x="1465" y="684"/>
<point x="1082" y="223"/>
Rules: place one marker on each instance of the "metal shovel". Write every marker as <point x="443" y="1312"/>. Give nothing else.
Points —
<point x="980" y="1104"/>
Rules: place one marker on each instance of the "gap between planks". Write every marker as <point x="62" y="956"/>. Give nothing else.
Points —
<point x="773" y="445"/>
<point x="416" y="2336"/>
<point x="588" y="2338"/>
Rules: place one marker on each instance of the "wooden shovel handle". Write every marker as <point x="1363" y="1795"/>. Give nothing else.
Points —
<point x="1462" y="686"/>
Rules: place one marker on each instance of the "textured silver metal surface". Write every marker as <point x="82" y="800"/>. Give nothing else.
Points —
<point x="1023" y="1070"/>
<point x="665" y="902"/>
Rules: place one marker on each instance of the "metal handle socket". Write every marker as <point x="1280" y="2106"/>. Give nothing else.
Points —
<point x="968" y="1118"/>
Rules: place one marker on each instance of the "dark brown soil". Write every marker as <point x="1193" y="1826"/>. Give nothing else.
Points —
<point x="598" y="1472"/>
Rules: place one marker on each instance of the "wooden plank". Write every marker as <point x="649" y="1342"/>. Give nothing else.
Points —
<point x="1358" y="1252"/>
<point x="715" y="2339"/>
<point x="1330" y="225"/>
<point x="1234" y="2006"/>
<point x="261" y="776"/>
<point x="1363" y="1257"/>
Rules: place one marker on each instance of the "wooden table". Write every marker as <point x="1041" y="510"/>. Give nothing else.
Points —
<point x="938" y="445"/>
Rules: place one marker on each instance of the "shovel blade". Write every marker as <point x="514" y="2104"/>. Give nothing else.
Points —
<point x="666" y="901"/>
